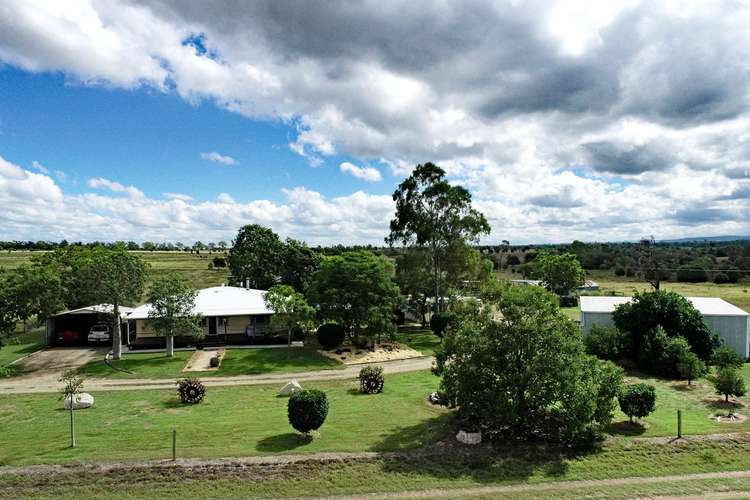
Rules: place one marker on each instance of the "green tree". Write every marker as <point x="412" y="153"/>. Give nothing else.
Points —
<point x="356" y="290"/>
<point x="290" y="308"/>
<point x="433" y="214"/>
<point x="299" y="262"/>
<point x="113" y="276"/>
<point x="560" y="273"/>
<point x="724" y="357"/>
<point x="729" y="382"/>
<point x="172" y="310"/>
<point x="638" y="400"/>
<point x="72" y="385"/>
<point x="256" y="255"/>
<point x="414" y="280"/>
<point x="34" y="290"/>
<point x="520" y="365"/>
<point x="672" y="312"/>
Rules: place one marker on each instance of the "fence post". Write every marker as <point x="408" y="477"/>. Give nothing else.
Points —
<point x="679" y="424"/>
<point x="174" y="445"/>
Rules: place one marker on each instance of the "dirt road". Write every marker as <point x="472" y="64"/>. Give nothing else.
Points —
<point x="46" y="380"/>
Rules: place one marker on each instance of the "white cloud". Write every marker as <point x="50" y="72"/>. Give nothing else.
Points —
<point x="225" y="198"/>
<point x="368" y="174"/>
<point x="39" y="167"/>
<point x="219" y="158"/>
<point x="177" y="196"/>
<point x="115" y="187"/>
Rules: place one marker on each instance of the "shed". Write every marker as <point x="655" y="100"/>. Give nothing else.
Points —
<point x="730" y="322"/>
<point x="72" y="327"/>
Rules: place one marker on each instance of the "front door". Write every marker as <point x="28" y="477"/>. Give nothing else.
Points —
<point x="212" y="325"/>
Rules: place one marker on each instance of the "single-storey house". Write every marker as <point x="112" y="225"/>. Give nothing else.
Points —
<point x="72" y="327"/>
<point x="229" y="315"/>
<point x="730" y="322"/>
<point x="588" y="285"/>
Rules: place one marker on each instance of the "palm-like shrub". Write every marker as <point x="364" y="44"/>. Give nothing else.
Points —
<point x="307" y="410"/>
<point x="638" y="400"/>
<point x="371" y="379"/>
<point x="191" y="390"/>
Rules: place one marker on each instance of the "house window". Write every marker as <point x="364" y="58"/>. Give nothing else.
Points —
<point x="260" y="319"/>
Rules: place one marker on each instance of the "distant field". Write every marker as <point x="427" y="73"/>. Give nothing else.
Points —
<point x="194" y="268"/>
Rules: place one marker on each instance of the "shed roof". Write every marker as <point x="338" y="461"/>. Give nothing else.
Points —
<point x="220" y="301"/>
<point x="708" y="306"/>
<point x="97" y="309"/>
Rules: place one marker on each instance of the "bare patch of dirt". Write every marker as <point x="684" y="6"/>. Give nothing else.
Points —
<point x="386" y="351"/>
<point x="721" y="404"/>
<point x="200" y="361"/>
<point x="729" y="417"/>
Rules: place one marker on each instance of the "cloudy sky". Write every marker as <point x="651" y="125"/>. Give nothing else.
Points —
<point x="183" y="120"/>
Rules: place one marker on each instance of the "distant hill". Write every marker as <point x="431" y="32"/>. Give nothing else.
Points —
<point x="706" y="238"/>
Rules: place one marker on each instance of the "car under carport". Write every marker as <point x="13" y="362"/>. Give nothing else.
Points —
<point x="72" y="327"/>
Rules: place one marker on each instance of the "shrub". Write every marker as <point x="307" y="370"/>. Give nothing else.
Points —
<point x="513" y="260"/>
<point x="371" y="379"/>
<point x="214" y="362"/>
<point x="440" y="322"/>
<point x="219" y="262"/>
<point x="729" y="382"/>
<point x="691" y="367"/>
<point x="606" y="342"/>
<point x="619" y="271"/>
<point x="692" y="273"/>
<point x="191" y="390"/>
<point x="638" y="400"/>
<point x="307" y="410"/>
<point x="721" y="278"/>
<point x="331" y="335"/>
<point x="724" y="357"/>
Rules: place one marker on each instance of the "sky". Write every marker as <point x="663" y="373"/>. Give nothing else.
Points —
<point x="159" y="120"/>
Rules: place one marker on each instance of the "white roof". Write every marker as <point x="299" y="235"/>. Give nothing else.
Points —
<point x="708" y="306"/>
<point x="220" y="301"/>
<point x="98" y="309"/>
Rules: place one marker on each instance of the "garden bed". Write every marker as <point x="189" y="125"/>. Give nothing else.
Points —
<point x="387" y="351"/>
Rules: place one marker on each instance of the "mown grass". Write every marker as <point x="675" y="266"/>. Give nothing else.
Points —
<point x="16" y="347"/>
<point x="418" y="338"/>
<point x="232" y="421"/>
<point x="544" y="470"/>
<point x="236" y="362"/>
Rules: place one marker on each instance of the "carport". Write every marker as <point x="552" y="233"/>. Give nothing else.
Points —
<point x="72" y="327"/>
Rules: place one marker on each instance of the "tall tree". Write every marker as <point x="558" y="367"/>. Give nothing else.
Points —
<point x="257" y="255"/>
<point x="172" y="310"/>
<point x="560" y="273"/>
<point x="433" y="214"/>
<point x="356" y="290"/>
<point x="414" y="279"/>
<point x="290" y="308"/>
<point x="299" y="261"/>
<point x="114" y="276"/>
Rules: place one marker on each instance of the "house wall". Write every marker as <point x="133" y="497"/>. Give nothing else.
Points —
<point x="236" y="325"/>
<point x="733" y="330"/>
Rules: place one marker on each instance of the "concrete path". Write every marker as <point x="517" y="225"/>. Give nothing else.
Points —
<point x="31" y="384"/>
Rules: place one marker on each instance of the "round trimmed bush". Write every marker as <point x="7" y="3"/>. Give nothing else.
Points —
<point x="638" y="400"/>
<point x="371" y="379"/>
<point x="191" y="390"/>
<point x="331" y="335"/>
<point x="440" y="322"/>
<point x="307" y="410"/>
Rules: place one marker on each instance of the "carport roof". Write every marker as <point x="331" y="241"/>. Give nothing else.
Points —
<point x="98" y="309"/>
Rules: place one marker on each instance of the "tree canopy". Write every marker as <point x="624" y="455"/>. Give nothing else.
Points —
<point x="290" y="308"/>
<point x="670" y="311"/>
<point x="172" y="309"/>
<point x="433" y="214"/>
<point x="560" y="273"/>
<point x="356" y="290"/>
<point x="519" y="365"/>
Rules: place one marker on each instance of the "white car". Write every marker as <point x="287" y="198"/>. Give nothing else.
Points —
<point x="100" y="333"/>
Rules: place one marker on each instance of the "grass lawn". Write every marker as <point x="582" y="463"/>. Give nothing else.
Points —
<point x="232" y="421"/>
<point x="418" y="338"/>
<point x="236" y="362"/>
<point x="18" y="346"/>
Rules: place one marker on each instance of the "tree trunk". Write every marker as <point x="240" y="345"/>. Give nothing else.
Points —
<point x="288" y="343"/>
<point x="170" y="346"/>
<point x="72" y="424"/>
<point x="726" y="397"/>
<point x="117" y="334"/>
<point x="436" y="277"/>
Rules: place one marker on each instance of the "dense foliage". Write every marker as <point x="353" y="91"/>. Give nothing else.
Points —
<point x="307" y="410"/>
<point x="172" y="309"/>
<point x="331" y="335"/>
<point x="357" y="291"/>
<point x="724" y="357"/>
<point x="519" y="366"/>
<point x="729" y="382"/>
<point x="560" y="273"/>
<point x="371" y="379"/>
<point x="674" y="314"/>
<point x="606" y="343"/>
<point x="434" y="215"/>
<point x="290" y="308"/>
<point x="638" y="400"/>
<point x="440" y="322"/>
